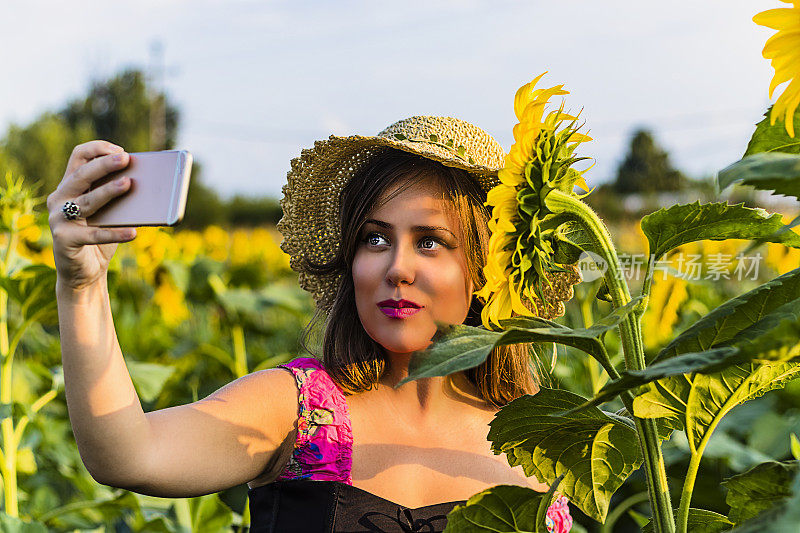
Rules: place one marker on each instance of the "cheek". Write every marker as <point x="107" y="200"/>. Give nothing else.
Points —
<point x="363" y="276"/>
<point x="453" y="284"/>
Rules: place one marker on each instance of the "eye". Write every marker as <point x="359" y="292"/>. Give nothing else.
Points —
<point x="433" y="240"/>
<point x="373" y="239"/>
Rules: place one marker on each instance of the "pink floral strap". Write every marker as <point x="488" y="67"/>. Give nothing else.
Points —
<point x="558" y="519"/>
<point x="323" y="449"/>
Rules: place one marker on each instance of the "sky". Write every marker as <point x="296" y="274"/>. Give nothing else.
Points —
<point x="256" y="82"/>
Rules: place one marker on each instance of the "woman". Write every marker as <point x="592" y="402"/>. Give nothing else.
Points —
<point x="389" y="234"/>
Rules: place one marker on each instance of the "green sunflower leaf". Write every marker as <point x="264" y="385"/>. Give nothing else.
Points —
<point x="768" y="171"/>
<point x="782" y="517"/>
<point x="594" y="450"/>
<point x="500" y="509"/>
<point x="773" y="138"/>
<point x="667" y="229"/>
<point x="735" y="316"/>
<point x="697" y="402"/>
<point x="700" y="521"/>
<point x="777" y="344"/>
<point x="759" y="325"/>
<point x="759" y="488"/>
<point x="459" y="347"/>
<point x="13" y="524"/>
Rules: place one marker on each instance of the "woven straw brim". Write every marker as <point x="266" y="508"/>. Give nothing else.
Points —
<point x="310" y="203"/>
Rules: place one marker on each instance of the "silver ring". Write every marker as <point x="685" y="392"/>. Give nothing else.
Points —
<point x="71" y="210"/>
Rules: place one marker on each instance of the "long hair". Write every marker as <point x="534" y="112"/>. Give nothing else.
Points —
<point x="356" y="362"/>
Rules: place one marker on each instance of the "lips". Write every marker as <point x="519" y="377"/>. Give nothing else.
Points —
<point x="398" y="308"/>
<point x="399" y="304"/>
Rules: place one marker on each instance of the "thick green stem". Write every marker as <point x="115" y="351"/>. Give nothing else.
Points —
<point x="632" y="346"/>
<point x="686" y="493"/>
<point x="9" y="466"/>
<point x="240" y="354"/>
<point x="591" y="365"/>
<point x="696" y="452"/>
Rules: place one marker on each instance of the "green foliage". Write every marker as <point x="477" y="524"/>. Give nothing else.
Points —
<point x="501" y="509"/>
<point x="203" y="205"/>
<point x="460" y="347"/>
<point x="701" y="521"/>
<point x="759" y="489"/>
<point x="120" y="110"/>
<point x="736" y="315"/>
<point x="697" y="402"/>
<point x="594" y="450"/>
<point x="40" y="150"/>
<point x="10" y="524"/>
<point x="772" y="138"/>
<point x="670" y="228"/>
<point x="646" y="168"/>
<point x="768" y="171"/>
<point x="783" y="516"/>
<point x="244" y="211"/>
<point x="780" y="343"/>
<point x="149" y="378"/>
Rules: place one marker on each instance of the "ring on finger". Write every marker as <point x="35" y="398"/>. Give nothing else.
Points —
<point x="71" y="210"/>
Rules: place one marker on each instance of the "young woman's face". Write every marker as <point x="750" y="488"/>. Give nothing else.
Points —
<point x="409" y="270"/>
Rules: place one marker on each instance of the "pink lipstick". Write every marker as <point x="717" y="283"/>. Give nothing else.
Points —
<point x="399" y="312"/>
<point x="398" y="308"/>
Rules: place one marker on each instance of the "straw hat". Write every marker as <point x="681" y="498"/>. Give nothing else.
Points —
<point x="310" y="203"/>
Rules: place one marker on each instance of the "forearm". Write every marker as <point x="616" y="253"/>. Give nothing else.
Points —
<point x="110" y="427"/>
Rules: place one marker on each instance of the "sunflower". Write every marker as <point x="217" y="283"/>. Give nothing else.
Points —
<point x="523" y="230"/>
<point x="783" y="49"/>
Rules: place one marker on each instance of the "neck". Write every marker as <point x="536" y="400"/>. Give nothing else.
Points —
<point x="425" y="396"/>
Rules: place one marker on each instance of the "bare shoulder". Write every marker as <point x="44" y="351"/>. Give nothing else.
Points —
<point x="269" y="396"/>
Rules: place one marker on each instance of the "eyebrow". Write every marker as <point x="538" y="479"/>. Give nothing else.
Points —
<point x="418" y="229"/>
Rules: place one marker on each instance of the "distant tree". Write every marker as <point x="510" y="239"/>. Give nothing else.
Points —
<point x="116" y="110"/>
<point x="251" y="212"/>
<point x="39" y="151"/>
<point x="646" y="168"/>
<point x="120" y="110"/>
<point x="203" y="205"/>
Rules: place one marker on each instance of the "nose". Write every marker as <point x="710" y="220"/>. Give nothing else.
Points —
<point x="401" y="267"/>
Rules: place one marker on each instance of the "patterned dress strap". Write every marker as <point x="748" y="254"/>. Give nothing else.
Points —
<point x="558" y="519"/>
<point x="323" y="449"/>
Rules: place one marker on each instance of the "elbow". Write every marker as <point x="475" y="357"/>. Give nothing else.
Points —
<point x="109" y="475"/>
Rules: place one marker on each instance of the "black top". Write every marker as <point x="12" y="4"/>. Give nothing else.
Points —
<point x="305" y="506"/>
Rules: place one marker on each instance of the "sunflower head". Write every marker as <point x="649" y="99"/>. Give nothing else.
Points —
<point x="524" y="271"/>
<point x="781" y="50"/>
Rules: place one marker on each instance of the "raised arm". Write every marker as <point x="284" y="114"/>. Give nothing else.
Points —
<point x="223" y="440"/>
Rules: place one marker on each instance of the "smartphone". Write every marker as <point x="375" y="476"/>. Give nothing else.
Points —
<point x="156" y="195"/>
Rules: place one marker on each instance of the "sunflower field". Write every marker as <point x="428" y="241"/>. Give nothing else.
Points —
<point x="193" y="311"/>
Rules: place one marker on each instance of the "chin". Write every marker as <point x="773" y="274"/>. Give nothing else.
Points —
<point x="402" y="344"/>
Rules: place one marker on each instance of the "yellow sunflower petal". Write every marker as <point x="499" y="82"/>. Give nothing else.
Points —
<point x="783" y="40"/>
<point x="524" y="95"/>
<point x="777" y="19"/>
<point x="792" y="101"/>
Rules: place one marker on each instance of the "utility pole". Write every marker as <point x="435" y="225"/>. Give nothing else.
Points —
<point x="158" y="109"/>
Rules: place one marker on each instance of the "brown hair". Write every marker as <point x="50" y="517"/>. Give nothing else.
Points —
<point x="355" y="361"/>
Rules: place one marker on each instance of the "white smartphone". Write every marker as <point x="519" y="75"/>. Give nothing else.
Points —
<point x="156" y="195"/>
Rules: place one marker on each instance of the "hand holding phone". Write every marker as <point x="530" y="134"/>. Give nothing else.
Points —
<point x="159" y="184"/>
